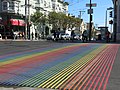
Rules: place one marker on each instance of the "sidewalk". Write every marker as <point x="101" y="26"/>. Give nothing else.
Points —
<point x="114" y="80"/>
<point x="21" y="40"/>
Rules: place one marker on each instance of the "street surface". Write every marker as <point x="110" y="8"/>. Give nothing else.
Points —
<point x="58" y="65"/>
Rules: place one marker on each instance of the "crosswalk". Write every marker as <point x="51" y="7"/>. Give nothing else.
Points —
<point x="74" y="67"/>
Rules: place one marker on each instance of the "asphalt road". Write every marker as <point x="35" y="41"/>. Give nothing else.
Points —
<point x="9" y="47"/>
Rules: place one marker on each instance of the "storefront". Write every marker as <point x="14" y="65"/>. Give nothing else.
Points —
<point x="13" y="23"/>
<point x="18" y="27"/>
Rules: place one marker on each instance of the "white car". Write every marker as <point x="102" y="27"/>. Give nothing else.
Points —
<point x="65" y="36"/>
<point x="77" y="37"/>
<point x="50" y="37"/>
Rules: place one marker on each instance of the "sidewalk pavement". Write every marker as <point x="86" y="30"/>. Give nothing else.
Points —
<point x="114" y="80"/>
<point x="21" y="40"/>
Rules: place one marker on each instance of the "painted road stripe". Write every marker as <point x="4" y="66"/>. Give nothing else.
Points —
<point x="9" y="61"/>
<point x="89" y="73"/>
<point x="57" y="77"/>
<point x="84" y="59"/>
<point x="42" y="77"/>
<point x="75" y="78"/>
<point x="38" y="58"/>
<point x="87" y="76"/>
<point x="115" y="49"/>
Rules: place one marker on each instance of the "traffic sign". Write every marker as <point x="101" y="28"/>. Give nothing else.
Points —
<point x="92" y="5"/>
<point x="90" y="11"/>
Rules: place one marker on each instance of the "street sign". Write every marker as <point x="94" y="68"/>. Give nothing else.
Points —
<point x="92" y="5"/>
<point x="90" y="11"/>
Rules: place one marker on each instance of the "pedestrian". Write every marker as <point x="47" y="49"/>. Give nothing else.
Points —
<point x="32" y="35"/>
<point x="85" y="36"/>
<point x="36" y="36"/>
<point x="72" y="34"/>
<point x="107" y="36"/>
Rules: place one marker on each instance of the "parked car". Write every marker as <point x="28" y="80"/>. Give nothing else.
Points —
<point x="77" y="37"/>
<point x="50" y="37"/>
<point x="65" y="36"/>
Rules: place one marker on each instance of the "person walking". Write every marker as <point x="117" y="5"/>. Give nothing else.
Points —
<point x="72" y="35"/>
<point x="107" y="36"/>
<point x="85" y="36"/>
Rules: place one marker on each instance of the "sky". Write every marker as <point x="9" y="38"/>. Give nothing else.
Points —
<point x="99" y="12"/>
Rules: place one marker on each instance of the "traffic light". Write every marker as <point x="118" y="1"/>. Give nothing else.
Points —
<point x="110" y="13"/>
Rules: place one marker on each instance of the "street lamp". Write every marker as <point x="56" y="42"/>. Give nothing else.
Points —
<point x="110" y="8"/>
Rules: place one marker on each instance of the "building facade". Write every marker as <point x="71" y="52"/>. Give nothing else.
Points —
<point x="14" y="12"/>
<point x="116" y="25"/>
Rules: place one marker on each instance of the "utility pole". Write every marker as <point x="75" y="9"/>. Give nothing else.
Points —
<point x="90" y="26"/>
<point x="18" y="14"/>
<point x="81" y="14"/>
<point x="90" y="11"/>
<point x="26" y="19"/>
<point x="28" y="26"/>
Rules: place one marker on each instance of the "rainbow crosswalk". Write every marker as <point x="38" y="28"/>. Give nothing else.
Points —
<point x="71" y="66"/>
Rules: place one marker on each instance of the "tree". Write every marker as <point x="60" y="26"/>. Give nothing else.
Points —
<point x="53" y="19"/>
<point x="39" y="20"/>
<point x="60" y="20"/>
<point x="36" y="17"/>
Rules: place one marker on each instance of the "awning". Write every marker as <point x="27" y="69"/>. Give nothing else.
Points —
<point x="17" y="22"/>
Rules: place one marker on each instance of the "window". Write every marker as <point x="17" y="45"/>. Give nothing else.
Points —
<point x="41" y="1"/>
<point x="54" y="0"/>
<point x="11" y="5"/>
<point x="45" y="3"/>
<point x="49" y="5"/>
<point x="4" y="5"/>
<point x="53" y="6"/>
